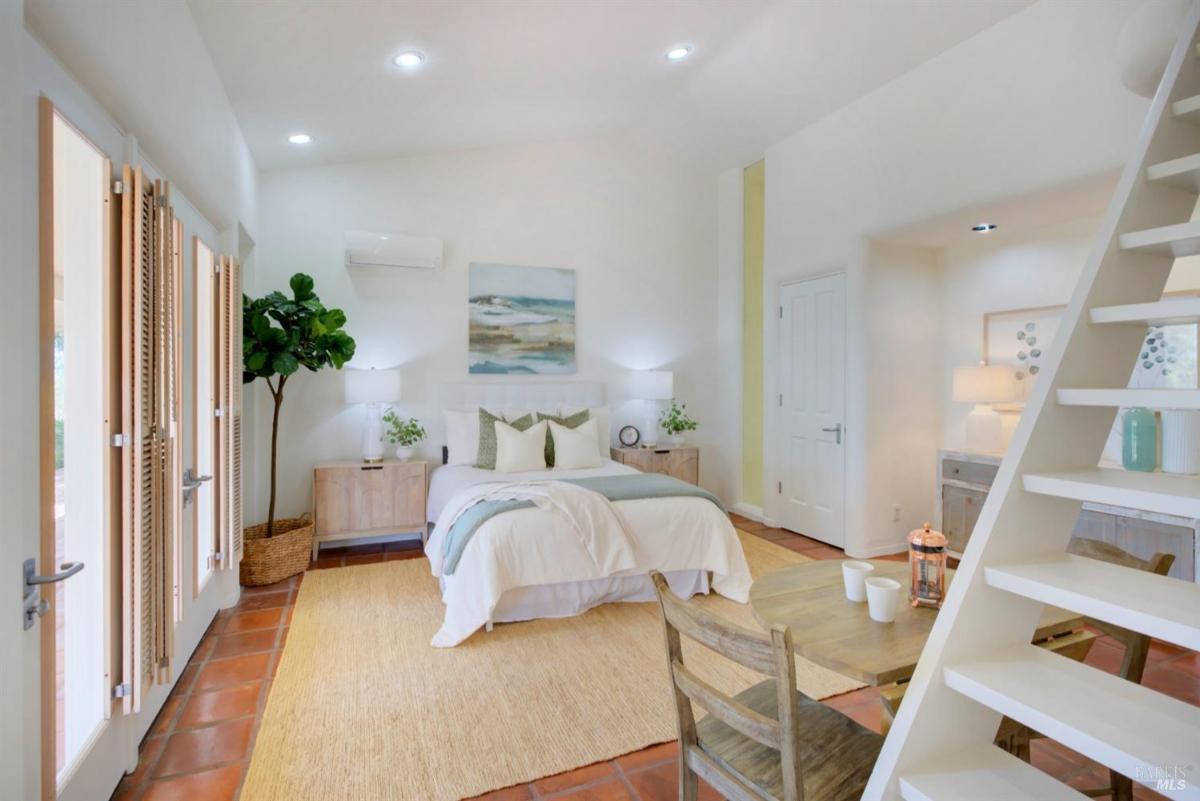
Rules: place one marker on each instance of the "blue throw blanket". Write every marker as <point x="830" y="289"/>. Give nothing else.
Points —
<point x="615" y="488"/>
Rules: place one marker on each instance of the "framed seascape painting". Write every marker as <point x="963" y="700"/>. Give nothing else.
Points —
<point x="522" y="320"/>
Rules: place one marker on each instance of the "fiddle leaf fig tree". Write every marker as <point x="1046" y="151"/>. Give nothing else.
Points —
<point x="279" y="336"/>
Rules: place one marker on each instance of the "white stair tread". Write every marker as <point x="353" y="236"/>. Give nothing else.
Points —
<point x="1187" y="109"/>
<point x="1127" y="398"/>
<point x="983" y="774"/>
<point x="1162" y="312"/>
<point x="1125" y="726"/>
<point x="1184" y="172"/>
<point x="1151" y="492"/>
<point x="1161" y="607"/>
<point x="1182" y="239"/>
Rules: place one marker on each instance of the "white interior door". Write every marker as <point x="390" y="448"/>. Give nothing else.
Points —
<point x="810" y="456"/>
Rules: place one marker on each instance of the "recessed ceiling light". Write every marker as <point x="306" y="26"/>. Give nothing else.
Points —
<point x="409" y="59"/>
<point x="300" y="139"/>
<point x="983" y="228"/>
<point x="679" y="52"/>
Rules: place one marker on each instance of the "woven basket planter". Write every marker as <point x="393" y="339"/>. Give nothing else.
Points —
<point x="266" y="560"/>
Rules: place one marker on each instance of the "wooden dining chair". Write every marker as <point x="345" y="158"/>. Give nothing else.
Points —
<point x="1137" y="645"/>
<point x="770" y="741"/>
<point x="1012" y="736"/>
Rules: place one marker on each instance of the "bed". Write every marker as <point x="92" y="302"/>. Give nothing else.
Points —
<point x="526" y="563"/>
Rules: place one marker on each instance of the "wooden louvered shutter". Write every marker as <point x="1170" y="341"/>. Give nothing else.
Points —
<point x="228" y="452"/>
<point x="234" y="375"/>
<point x="149" y="481"/>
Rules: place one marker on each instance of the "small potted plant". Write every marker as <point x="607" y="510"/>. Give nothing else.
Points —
<point x="404" y="434"/>
<point x="675" y="421"/>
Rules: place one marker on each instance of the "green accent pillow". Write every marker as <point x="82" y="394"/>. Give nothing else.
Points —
<point x="572" y="421"/>
<point x="487" y="435"/>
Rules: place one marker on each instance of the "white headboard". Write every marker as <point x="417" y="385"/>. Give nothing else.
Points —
<point x="523" y="395"/>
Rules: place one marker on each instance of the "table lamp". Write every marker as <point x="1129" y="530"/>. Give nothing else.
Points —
<point x="652" y="386"/>
<point x="984" y="385"/>
<point x="372" y="387"/>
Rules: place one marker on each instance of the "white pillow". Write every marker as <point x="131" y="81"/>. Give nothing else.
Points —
<point x="462" y="436"/>
<point x="603" y="433"/>
<point x="520" y="451"/>
<point x="575" y="448"/>
<point x="513" y="414"/>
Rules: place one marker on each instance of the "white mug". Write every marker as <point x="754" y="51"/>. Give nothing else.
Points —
<point x="853" y="575"/>
<point x="883" y="596"/>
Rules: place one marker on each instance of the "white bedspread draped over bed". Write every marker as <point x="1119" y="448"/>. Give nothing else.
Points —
<point x="541" y="546"/>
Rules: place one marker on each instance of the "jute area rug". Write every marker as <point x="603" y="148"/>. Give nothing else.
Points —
<point x="364" y="709"/>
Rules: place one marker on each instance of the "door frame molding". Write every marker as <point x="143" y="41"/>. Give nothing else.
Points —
<point x="771" y="417"/>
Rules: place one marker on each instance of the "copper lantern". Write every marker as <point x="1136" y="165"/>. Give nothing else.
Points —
<point x="927" y="560"/>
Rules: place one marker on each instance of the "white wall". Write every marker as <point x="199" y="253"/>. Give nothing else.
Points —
<point x="147" y="65"/>
<point x="903" y="325"/>
<point x="639" y="230"/>
<point x="998" y="272"/>
<point x="19" y="705"/>
<point x="730" y="256"/>
<point x="1001" y="114"/>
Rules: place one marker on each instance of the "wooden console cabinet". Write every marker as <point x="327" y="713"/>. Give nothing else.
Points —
<point x="964" y="480"/>
<point x="353" y="500"/>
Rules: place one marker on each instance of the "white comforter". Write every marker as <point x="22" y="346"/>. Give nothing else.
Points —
<point x="540" y="546"/>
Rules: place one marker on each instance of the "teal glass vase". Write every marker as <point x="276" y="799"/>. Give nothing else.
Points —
<point x="1140" y="449"/>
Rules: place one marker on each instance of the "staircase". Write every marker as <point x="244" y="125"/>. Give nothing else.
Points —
<point x="978" y="664"/>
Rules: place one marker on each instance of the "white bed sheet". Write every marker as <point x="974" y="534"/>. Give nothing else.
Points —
<point x="448" y="480"/>
<point x="523" y="564"/>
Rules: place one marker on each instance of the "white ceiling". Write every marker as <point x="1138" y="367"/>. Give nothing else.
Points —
<point x="510" y="71"/>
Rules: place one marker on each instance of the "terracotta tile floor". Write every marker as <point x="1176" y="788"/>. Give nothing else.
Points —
<point x="199" y="747"/>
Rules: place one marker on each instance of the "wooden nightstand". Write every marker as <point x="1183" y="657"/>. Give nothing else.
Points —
<point x="683" y="462"/>
<point x="353" y="500"/>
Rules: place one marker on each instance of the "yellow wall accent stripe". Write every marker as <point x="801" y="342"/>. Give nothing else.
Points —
<point x="754" y="204"/>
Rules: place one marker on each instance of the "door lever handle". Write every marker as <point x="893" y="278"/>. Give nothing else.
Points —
<point x="835" y="430"/>
<point x="191" y="482"/>
<point x="32" y="604"/>
<point x="67" y="569"/>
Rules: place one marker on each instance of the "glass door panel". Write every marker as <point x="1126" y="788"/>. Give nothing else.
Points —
<point x="204" y="407"/>
<point x="79" y="616"/>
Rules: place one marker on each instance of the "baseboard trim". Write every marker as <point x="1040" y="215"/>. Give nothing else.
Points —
<point x="755" y="513"/>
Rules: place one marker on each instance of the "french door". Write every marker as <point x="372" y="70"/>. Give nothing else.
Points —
<point x="810" y="460"/>
<point x="109" y="464"/>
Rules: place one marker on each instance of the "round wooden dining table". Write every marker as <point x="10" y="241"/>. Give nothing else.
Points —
<point x="839" y="634"/>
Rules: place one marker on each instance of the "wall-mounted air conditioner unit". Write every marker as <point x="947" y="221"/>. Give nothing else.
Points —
<point x="366" y="249"/>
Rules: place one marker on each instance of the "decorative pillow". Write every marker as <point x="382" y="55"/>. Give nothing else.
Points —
<point x="462" y="436"/>
<point x="487" y="436"/>
<point x="571" y="421"/>
<point x="518" y="451"/>
<point x="603" y="435"/>
<point x="574" y="448"/>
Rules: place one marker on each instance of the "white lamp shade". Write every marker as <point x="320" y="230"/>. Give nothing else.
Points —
<point x="372" y="386"/>
<point x="985" y="384"/>
<point x="652" y="385"/>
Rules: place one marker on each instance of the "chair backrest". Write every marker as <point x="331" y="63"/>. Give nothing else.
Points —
<point x="1137" y="645"/>
<point x="770" y="655"/>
